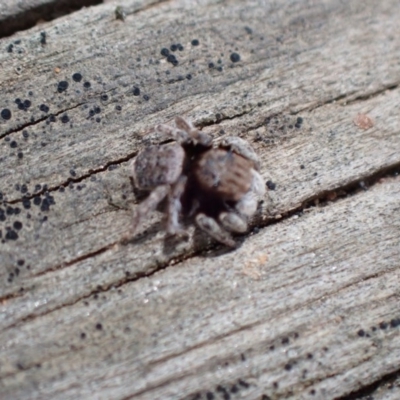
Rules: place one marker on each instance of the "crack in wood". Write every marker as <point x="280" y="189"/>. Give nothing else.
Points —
<point x="199" y="125"/>
<point x="35" y="122"/>
<point x="349" y="190"/>
<point x="366" y="392"/>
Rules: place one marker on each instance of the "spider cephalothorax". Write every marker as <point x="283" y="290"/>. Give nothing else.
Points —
<point x="218" y="185"/>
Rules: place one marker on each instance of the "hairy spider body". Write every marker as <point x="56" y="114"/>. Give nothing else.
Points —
<point x="220" y="186"/>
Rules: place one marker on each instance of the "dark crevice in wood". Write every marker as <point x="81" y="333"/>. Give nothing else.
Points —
<point x="340" y="99"/>
<point x="368" y="96"/>
<point x="367" y="392"/>
<point x="37" y="121"/>
<point x="350" y="189"/>
<point x="76" y="180"/>
<point x="48" y="11"/>
<point x="200" y="126"/>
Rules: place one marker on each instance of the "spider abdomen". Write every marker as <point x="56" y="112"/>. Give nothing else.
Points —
<point x="224" y="173"/>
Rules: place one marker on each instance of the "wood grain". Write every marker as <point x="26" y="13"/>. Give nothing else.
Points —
<point x="294" y="297"/>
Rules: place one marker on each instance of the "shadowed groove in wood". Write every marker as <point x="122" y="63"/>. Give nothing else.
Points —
<point x="31" y="123"/>
<point x="367" y="392"/>
<point x="350" y="189"/>
<point x="201" y="125"/>
<point x="47" y="11"/>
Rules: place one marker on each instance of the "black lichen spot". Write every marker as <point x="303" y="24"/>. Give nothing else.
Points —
<point x="172" y="59"/>
<point x="298" y="123"/>
<point x="118" y="108"/>
<point x="87" y="85"/>
<point x="395" y="322"/>
<point x="17" y="225"/>
<point x="26" y="203"/>
<point x="164" y="52"/>
<point x="224" y="392"/>
<point x="99" y="327"/>
<point x="271" y="185"/>
<point x="62" y="86"/>
<point x="6" y="114"/>
<point x="44" y="108"/>
<point x="98" y="119"/>
<point x="173" y="47"/>
<point x="24" y="188"/>
<point x="180" y="47"/>
<point x="211" y="65"/>
<point x="361" y="333"/>
<point x="10" y="48"/>
<point x="13" y="144"/>
<point x="243" y="383"/>
<point x="11" y="235"/>
<point x="65" y="119"/>
<point x="45" y="205"/>
<point x="37" y="200"/>
<point x="248" y="30"/>
<point x="97" y="110"/>
<point x="288" y="367"/>
<point x="72" y="172"/>
<point x="9" y="210"/>
<point x="383" y="325"/>
<point x="146" y="97"/>
<point x="136" y="91"/>
<point x="210" y="396"/>
<point x="309" y="356"/>
<point x="188" y="77"/>
<point x="235" y="57"/>
<point x="195" y="42"/>
<point x="77" y="77"/>
<point x="27" y="103"/>
<point x="234" y="389"/>
<point x="43" y="38"/>
<point x="104" y="97"/>
<point x="285" y="340"/>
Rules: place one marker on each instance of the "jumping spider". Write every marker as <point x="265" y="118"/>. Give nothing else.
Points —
<point x="218" y="185"/>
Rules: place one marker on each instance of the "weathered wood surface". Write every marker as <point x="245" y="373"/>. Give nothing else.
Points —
<point x="280" y="317"/>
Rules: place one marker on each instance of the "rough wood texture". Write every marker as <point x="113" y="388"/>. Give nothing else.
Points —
<point x="306" y="308"/>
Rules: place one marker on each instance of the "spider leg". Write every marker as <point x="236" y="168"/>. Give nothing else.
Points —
<point x="169" y="132"/>
<point x="175" y="207"/>
<point x="212" y="227"/>
<point x="233" y="222"/>
<point x="247" y="205"/>
<point x="194" y="134"/>
<point x="148" y="205"/>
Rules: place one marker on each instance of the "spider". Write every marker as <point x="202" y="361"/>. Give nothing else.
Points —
<point x="218" y="185"/>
